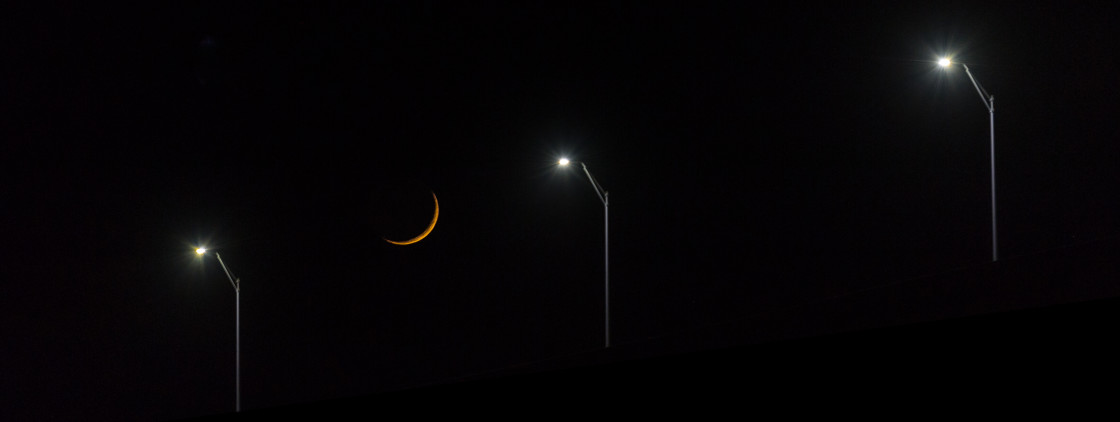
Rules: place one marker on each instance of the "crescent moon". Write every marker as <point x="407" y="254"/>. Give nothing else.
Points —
<point x="426" y="231"/>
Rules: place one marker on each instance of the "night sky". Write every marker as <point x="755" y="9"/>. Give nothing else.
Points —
<point x="757" y="156"/>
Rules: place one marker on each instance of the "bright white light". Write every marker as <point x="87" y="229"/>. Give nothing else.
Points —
<point x="944" y="62"/>
<point x="200" y="251"/>
<point x="564" y="161"/>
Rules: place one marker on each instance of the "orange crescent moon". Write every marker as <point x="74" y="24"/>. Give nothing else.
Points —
<point x="426" y="231"/>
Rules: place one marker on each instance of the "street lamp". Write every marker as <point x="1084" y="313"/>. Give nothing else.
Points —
<point x="988" y="101"/>
<point x="603" y="196"/>
<point x="236" y="282"/>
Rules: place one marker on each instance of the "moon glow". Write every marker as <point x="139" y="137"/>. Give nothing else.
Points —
<point x="431" y="226"/>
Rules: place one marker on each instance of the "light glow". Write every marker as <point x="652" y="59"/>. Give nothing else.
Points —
<point x="564" y="161"/>
<point x="944" y="62"/>
<point x="200" y="251"/>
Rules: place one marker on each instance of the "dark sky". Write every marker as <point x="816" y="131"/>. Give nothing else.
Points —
<point x="756" y="156"/>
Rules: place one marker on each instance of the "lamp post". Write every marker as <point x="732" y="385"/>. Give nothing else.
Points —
<point x="603" y="196"/>
<point x="236" y="282"/>
<point x="988" y="101"/>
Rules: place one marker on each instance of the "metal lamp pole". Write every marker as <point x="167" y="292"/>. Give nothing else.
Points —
<point x="605" y="198"/>
<point x="236" y="282"/>
<point x="989" y="103"/>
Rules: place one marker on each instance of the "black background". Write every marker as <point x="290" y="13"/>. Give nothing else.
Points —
<point x="757" y="157"/>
